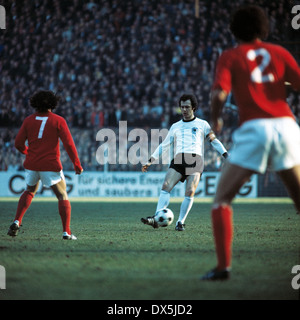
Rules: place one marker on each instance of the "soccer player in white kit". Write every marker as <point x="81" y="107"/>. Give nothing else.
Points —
<point x="187" y="137"/>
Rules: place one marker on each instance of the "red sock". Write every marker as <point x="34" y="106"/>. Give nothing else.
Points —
<point x="64" y="208"/>
<point x="222" y="220"/>
<point x="23" y="205"/>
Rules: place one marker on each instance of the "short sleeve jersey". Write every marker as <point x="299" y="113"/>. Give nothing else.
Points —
<point x="256" y="74"/>
<point x="43" y="131"/>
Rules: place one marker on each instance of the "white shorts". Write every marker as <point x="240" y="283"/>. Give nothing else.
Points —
<point x="266" y="143"/>
<point x="48" y="178"/>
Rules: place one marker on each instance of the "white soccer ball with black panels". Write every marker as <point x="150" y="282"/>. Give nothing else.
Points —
<point x="164" y="217"/>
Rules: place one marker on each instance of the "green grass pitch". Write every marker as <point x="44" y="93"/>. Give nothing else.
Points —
<point x="116" y="257"/>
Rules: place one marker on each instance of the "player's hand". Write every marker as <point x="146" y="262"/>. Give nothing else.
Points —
<point x="78" y="170"/>
<point x="146" y="166"/>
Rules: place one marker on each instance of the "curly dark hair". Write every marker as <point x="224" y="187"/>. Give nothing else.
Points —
<point x="189" y="96"/>
<point x="44" y="100"/>
<point x="249" y="22"/>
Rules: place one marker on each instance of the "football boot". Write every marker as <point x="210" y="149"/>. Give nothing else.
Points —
<point x="150" y="221"/>
<point x="215" y="274"/>
<point x="13" y="229"/>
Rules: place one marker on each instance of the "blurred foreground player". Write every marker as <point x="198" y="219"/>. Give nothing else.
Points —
<point x="268" y="135"/>
<point x="42" y="130"/>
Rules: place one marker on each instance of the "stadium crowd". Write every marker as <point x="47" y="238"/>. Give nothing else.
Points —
<point x="115" y="61"/>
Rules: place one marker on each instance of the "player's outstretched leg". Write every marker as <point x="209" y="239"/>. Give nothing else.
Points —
<point x="163" y="201"/>
<point x="232" y="179"/>
<point x="64" y="208"/>
<point x="67" y="236"/>
<point x="215" y="274"/>
<point x="23" y="204"/>
<point x="150" y="221"/>
<point x="223" y="235"/>
<point x="13" y="229"/>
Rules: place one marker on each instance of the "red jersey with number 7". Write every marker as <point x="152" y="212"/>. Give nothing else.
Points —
<point x="256" y="74"/>
<point x="42" y="131"/>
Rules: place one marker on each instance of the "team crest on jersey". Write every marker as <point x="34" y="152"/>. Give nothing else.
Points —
<point x="194" y="130"/>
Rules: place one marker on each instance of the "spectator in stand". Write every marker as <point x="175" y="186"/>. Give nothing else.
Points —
<point x="115" y="52"/>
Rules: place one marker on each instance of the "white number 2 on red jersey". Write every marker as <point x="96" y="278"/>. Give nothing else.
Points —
<point x="42" y="127"/>
<point x="257" y="73"/>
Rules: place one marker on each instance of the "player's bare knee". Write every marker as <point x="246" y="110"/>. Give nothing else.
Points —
<point x="62" y="196"/>
<point x="190" y="193"/>
<point x="166" y="186"/>
<point x="33" y="192"/>
<point x="32" y="189"/>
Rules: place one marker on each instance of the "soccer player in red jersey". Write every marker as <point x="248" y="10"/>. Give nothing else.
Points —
<point x="268" y="136"/>
<point x="42" y="130"/>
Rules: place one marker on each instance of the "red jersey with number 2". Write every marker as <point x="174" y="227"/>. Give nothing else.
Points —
<point x="256" y="74"/>
<point x="43" y="130"/>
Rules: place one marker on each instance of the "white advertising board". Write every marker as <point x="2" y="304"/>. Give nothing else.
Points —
<point x="119" y="184"/>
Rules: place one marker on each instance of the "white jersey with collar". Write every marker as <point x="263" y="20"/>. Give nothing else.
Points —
<point x="185" y="137"/>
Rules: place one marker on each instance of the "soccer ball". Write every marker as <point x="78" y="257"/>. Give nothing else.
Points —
<point x="164" y="217"/>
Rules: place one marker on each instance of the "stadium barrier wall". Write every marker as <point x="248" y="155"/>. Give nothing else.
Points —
<point x="119" y="184"/>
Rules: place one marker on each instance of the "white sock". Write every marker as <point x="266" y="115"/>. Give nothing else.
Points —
<point x="163" y="201"/>
<point x="185" y="208"/>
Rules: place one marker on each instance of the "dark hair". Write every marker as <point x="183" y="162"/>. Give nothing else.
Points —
<point x="44" y="100"/>
<point x="191" y="97"/>
<point x="249" y="22"/>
